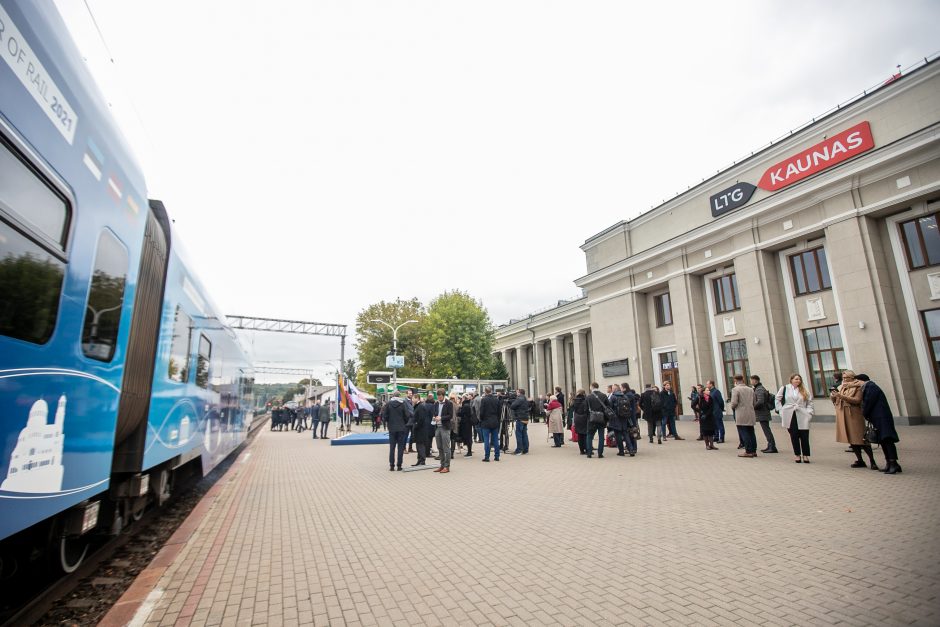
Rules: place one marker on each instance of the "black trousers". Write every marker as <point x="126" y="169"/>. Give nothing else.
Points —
<point x="582" y="442"/>
<point x="890" y="450"/>
<point x="765" y="425"/>
<point x="799" y="438"/>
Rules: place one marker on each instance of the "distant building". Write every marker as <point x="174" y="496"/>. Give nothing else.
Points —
<point x="818" y="253"/>
<point x="36" y="463"/>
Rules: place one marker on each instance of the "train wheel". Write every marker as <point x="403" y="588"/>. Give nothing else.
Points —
<point x="72" y="553"/>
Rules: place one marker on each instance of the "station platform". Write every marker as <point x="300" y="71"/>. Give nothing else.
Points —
<point x="299" y="532"/>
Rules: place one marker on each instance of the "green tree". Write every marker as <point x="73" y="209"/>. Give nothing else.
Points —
<point x="459" y="337"/>
<point x="374" y="340"/>
<point x="351" y="369"/>
<point x="498" y="369"/>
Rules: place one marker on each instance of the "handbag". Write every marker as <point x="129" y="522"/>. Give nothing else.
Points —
<point x="574" y="435"/>
<point x="634" y="432"/>
<point x="871" y="433"/>
<point x="596" y="418"/>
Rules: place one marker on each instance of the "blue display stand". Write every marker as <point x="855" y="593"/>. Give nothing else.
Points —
<point x="380" y="437"/>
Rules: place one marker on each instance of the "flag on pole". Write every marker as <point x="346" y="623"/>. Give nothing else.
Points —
<point x="340" y="404"/>
<point x="359" y="398"/>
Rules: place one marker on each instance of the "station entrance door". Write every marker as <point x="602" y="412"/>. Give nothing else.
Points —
<point x="669" y="371"/>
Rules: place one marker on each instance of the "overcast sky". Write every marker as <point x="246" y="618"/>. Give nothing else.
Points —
<point x="321" y="156"/>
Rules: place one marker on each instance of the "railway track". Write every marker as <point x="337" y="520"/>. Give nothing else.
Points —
<point x="85" y="596"/>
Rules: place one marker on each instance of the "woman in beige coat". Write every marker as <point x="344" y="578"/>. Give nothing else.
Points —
<point x="556" y="421"/>
<point x="850" y="425"/>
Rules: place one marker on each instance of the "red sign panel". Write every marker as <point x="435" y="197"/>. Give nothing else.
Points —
<point x="823" y="155"/>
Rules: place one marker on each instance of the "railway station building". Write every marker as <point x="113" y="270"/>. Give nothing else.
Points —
<point x="817" y="253"/>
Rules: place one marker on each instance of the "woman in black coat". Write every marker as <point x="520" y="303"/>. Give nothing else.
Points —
<point x="875" y="409"/>
<point x="465" y="425"/>
<point x="580" y="420"/>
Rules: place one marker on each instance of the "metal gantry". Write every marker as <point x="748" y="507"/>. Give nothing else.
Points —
<point x="286" y="326"/>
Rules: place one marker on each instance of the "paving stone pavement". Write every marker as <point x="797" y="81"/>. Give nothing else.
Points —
<point x="304" y="533"/>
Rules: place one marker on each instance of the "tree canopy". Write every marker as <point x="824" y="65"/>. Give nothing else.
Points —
<point x="453" y="337"/>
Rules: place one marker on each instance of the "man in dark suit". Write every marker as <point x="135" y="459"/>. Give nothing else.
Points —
<point x="397" y="415"/>
<point x="443" y="419"/>
<point x="718" y="407"/>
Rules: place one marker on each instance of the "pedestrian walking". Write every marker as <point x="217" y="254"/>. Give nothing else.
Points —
<point x="763" y="404"/>
<point x="850" y="425"/>
<point x="795" y="407"/>
<point x="742" y="404"/>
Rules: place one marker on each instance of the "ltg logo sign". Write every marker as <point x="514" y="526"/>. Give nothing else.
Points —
<point x="824" y="155"/>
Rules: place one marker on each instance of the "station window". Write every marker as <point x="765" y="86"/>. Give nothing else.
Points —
<point x="825" y="355"/>
<point x="932" y="327"/>
<point x="922" y="241"/>
<point x="34" y="222"/>
<point x="734" y="361"/>
<point x="202" y="362"/>
<point x="663" y="310"/>
<point x="105" y="299"/>
<point x="179" y="347"/>
<point x="810" y="271"/>
<point x="726" y="293"/>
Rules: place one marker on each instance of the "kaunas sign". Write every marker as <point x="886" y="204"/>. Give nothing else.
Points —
<point x="847" y="144"/>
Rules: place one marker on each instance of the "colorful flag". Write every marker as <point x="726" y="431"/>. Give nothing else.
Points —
<point x="359" y="398"/>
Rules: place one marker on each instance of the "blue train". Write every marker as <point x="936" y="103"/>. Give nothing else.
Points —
<point x="116" y="369"/>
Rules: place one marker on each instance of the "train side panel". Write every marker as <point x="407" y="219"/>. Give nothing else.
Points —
<point x="71" y="226"/>
<point x="201" y="385"/>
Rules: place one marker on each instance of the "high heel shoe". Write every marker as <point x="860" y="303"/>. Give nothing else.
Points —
<point x="805" y="459"/>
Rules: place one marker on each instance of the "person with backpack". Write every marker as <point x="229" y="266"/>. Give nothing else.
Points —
<point x="763" y="404"/>
<point x="652" y="405"/>
<point x="597" y="421"/>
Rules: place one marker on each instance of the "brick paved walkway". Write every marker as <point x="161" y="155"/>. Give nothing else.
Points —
<point x="300" y="532"/>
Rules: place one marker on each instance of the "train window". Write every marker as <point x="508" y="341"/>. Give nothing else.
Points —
<point x="27" y="198"/>
<point x="202" y="362"/>
<point x="30" y="281"/>
<point x="179" y="347"/>
<point x="105" y="299"/>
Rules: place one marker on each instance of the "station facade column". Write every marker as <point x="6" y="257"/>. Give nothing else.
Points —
<point x="581" y="370"/>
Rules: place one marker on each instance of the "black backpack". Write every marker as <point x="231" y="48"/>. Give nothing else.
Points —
<point x="625" y="407"/>
<point x="656" y="401"/>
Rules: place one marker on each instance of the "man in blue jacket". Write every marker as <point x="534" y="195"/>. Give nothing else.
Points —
<point x="718" y="409"/>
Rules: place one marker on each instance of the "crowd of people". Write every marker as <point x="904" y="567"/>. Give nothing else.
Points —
<point x="597" y="420"/>
<point x="286" y="418"/>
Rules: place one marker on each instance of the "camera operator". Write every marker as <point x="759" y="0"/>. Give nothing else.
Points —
<point x="505" y="418"/>
<point x="520" y="411"/>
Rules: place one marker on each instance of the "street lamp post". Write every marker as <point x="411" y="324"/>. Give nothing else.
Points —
<point x="394" y="347"/>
